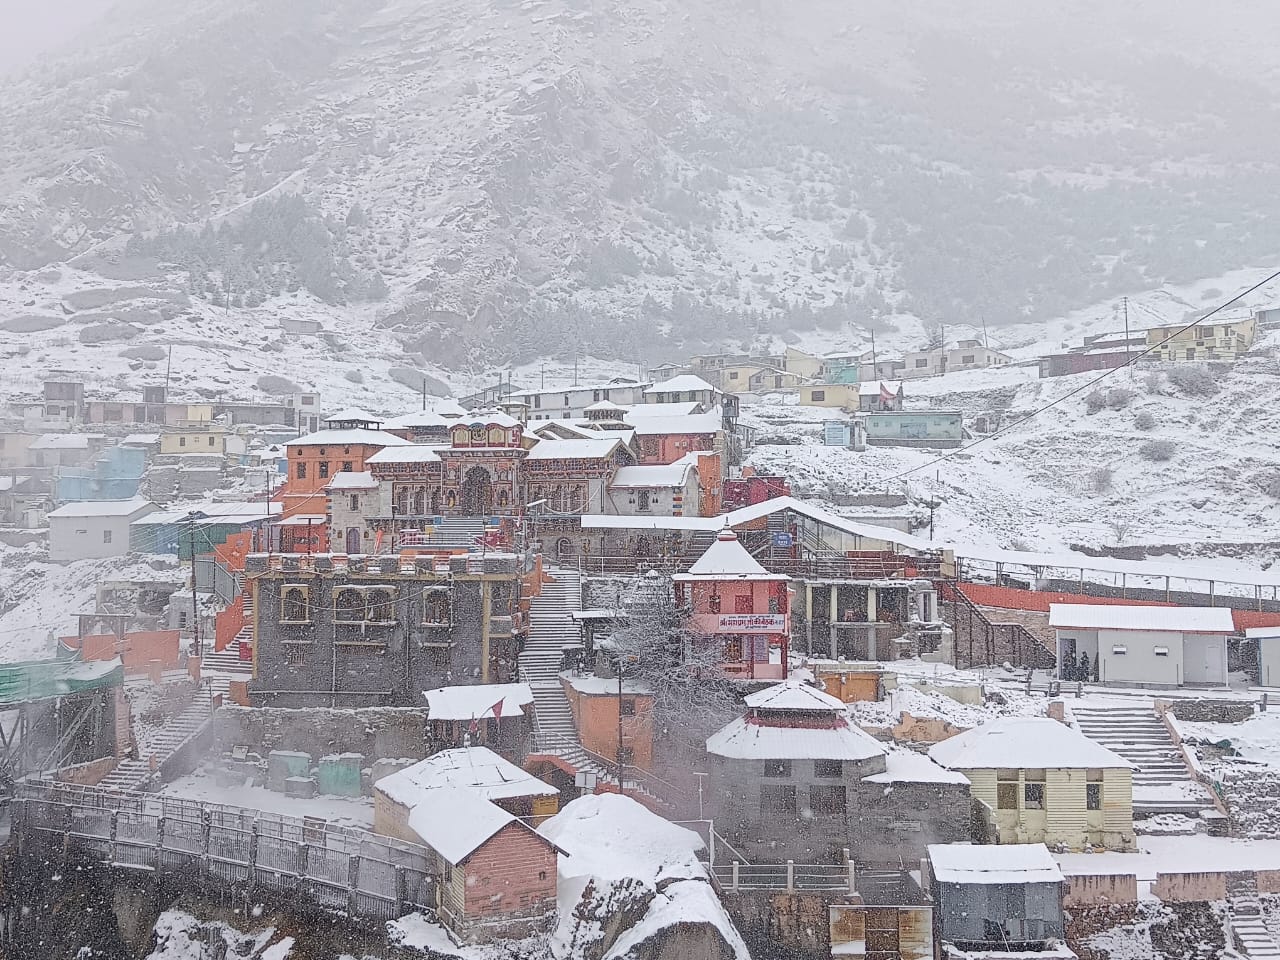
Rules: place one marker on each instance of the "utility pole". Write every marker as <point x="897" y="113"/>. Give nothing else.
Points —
<point x="424" y="391"/>
<point x="986" y="342"/>
<point x="190" y="519"/>
<point x="875" y="372"/>
<point x="1125" y="301"/>
<point x="544" y="374"/>
<point x="168" y="367"/>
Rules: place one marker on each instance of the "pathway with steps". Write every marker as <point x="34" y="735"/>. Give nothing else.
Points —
<point x="550" y="628"/>
<point x="133" y="775"/>
<point x="458" y="532"/>
<point x="1161" y="781"/>
<point x="1248" y="929"/>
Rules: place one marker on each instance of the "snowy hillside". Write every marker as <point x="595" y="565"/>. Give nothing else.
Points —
<point x="486" y="178"/>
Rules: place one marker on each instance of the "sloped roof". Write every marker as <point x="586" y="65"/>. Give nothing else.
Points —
<point x="478" y="769"/>
<point x="355" y="435"/>
<point x="727" y="559"/>
<point x="993" y="863"/>
<point x="682" y="409"/>
<point x="684" y="383"/>
<point x="693" y="423"/>
<point x="1024" y="742"/>
<point x="352" y="480"/>
<point x="456" y="822"/>
<point x="743" y="740"/>
<point x="407" y="453"/>
<point x="584" y="449"/>
<point x="653" y="475"/>
<point x="102" y="508"/>
<point x="418" y="418"/>
<point x="604" y="405"/>
<point x="871" y="388"/>
<point x="486" y="418"/>
<point x="794" y="695"/>
<point x="1100" y="616"/>
<point x="353" y="415"/>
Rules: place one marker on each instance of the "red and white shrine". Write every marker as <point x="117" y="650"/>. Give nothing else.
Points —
<point x="740" y="604"/>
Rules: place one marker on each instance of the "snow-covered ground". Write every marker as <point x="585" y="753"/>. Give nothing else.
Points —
<point x="205" y="786"/>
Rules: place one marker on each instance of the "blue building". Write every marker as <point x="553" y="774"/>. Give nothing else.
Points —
<point x="916" y="428"/>
<point x="115" y="475"/>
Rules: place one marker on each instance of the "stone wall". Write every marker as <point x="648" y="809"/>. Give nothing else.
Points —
<point x="376" y="732"/>
<point x="1100" y="889"/>
<point x="1204" y="710"/>
<point x="795" y="926"/>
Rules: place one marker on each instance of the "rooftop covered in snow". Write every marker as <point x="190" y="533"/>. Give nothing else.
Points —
<point x="1024" y="742"/>
<point x="102" y="508"/>
<point x="653" y="475"/>
<point x="684" y="383"/>
<point x="746" y="738"/>
<point x="477" y="768"/>
<point x="998" y="863"/>
<point x="407" y="453"/>
<point x="353" y="415"/>
<point x="795" y="696"/>
<point x="456" y="822"/>
<point x="353" y="480"/>
<point x="1103" y="616"/>
<point x="349" y="436"/>
<point x="575" y="449"/>
<point x="727" y="559"/>
<point x="476" y="701"/>
<point x="694" y="423"/>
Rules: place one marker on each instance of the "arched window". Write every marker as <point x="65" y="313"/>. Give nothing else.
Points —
<point x="295" y="606"/>
<point x="379" y="607"/>
<point x="348" y="606"/>
<point x="436" y="608"/>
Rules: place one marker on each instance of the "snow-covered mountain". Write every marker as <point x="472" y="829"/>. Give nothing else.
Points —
<point x="498" y="180"/>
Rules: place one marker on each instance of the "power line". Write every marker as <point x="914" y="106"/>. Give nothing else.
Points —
<point x="1084" y="386"/>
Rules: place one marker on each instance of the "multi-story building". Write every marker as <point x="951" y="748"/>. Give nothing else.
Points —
<point x="1225" y="340"/>
<point x="344" y="446"/>
<point x="685" y="387"/>
<point x="350" y="631"/>
<point x="565" y="402"/>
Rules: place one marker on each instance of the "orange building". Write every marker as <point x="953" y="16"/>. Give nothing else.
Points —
<point x="741" y="605"/>
<point x="668" y="438"/>
<point x="596" y="701"/>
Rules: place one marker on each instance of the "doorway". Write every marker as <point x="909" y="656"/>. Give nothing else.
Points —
<point x="477" y="493"/>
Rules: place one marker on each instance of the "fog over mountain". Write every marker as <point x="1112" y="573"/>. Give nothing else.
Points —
<point x="512" y="179"/>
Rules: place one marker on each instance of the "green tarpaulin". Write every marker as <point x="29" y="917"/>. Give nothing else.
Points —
<point x="47" y="679"/>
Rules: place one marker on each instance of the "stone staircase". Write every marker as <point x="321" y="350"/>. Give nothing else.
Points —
<point x="221" y="667"/>
<point x="461" y="533"/>
<point x="1250" y="934"/>
<point x="1161" y="781"/>
<point x="550" y="628"/>
<point x="133" y="775"/>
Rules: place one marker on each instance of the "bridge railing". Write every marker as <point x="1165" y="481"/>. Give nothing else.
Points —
<point x="364" y="875"/>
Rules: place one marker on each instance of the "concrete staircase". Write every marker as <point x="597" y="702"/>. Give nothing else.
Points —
<point x="550" y="628"/>
<point x="1248" y="931"/>
<point x="221" y="667"/>
<point x="453" y="532"/>
<point x="133" y="775"/>
<point x="1138" y="735"/>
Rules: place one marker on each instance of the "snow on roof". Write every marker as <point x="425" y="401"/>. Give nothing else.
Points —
<point x="655" y="475"/>
<point x="727" y="558"/>
<point x="615" y="383"/>
<point x="353" y="480"/>
<point x="412" y="453"/>
<point x="303" y="520"/>
<point x="993" y="863"/>
<point x="486" y="418"/>
<point x="1099" y="616"/>
<point x="794" y="695"/>
<point x="600" y="686"/>
<point x="477" y="768"/>
<point x="353" y="415"/>
<point x="684" y="383"/>
<point x="1262" y="633"/>
<point x="907" y="766"/>
<point x="584" y="449"/>
<point x="214" y="512"/>
<point x="418" y="418"/>
<point x="140" y="439"/>
<point x="682" y="409"/>
<point x="455" y="822"/>
<point x="376" y="438"/>
<point x="476" y="701"/>
<point x="741" y="739"/>
<point x="604" y="405"/>
<point x="1024" y="742"/>
<point x="102" y="508"/>
<point x="693" y="423"/>
<point x="871" y="388"/>
<point x="62" y="441"/>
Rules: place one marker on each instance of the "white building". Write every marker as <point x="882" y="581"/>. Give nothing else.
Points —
<point x="667" y="490"/>
<point x="1268" y="641"/>
<point x="353" y="496"/>
<point x="94" y="529"/>
<point x="965" y="355"/>
<point x="1143" y="645"/>
<point x="682" y="389"/>
<point x="563" y="403"/>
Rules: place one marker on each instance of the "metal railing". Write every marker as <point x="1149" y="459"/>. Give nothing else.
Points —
<point x="789" y="876"/>
<point x="360" y="874"/>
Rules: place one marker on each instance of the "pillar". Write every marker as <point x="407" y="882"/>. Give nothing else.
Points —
<point x="833" y="619"/>
<point x="486" y="613"/>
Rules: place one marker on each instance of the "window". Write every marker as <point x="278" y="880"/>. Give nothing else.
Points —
<point x="626" y="755"/>
<point x="537" y="402"/>
<point x="743" y="604"/>
<point x="355" y="502"/>
<point x="295" y="605"/>
<point x="828" y="768"/>
<point x="628" y="707"/>
<point x="827" y="801"/>
<point x="1033" y="798"/>
<point x="566" y="399"/>
<point x="294" y="655"/>
<point x="324" y="470"/>
<point x="922" y="362"/>
<point x="346" y="466"/>
<point x="643" y="501"/>
<point x="1160" y="651"/>
<point x="302" y="471"/>
<point x="349" y="606"/>
<point x="1119" y="650"/>
<point x="435" y="608"/>
<point x="967" y="358"/>
<point x="818" y="396"/>
<point x="778" y="801"/>
<point x="777" y="768"/>
<point x="211" y="441"/>
<point x="182" y="441"/>
<point x="1007" y="782"/>
<point x="106" y="536"/>
<point x="733" y="374"/>
<point x="1093" y="796"/>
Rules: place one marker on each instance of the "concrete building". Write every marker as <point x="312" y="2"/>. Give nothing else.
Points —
<point x="333" y="630"/>
<point x="915" y="428"/>
<point x="795" y="779"/>
<point x="352" y="498"/>
<point x="669" y="490"/>
<point x="559" y="403"/>
<point x="685" y="387"/>
<point x="94" y="529"/>
<point x="1145" y="646"/>
<point x="1224" y="340"/>
<point x="1000" y="898"/>
<point x="1040" y="781"/>
<point x="206" y="439"/>
<point x="964" y="355"/>
<point x="867" y="396"/>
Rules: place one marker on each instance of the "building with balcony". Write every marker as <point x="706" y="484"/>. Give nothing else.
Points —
<point x="348" y="631"/>
<point x="1224" y="340"/>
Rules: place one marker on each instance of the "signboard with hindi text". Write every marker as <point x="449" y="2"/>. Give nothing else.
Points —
<point x="751" y="623"/>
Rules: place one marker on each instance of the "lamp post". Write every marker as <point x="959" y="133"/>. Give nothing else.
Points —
<point x="190" y="520"/>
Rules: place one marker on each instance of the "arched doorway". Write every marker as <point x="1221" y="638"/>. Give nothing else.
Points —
<point x="477" y="493"/>
<point x="353" y="540"/>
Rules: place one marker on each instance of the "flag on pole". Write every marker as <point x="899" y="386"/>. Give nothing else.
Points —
<point x="497" y="710"/>
<point x="886" y="394"/>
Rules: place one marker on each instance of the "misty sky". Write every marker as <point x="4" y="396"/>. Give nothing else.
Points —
<point x="34" y="26"/>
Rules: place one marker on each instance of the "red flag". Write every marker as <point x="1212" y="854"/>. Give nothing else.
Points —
<point x="497" y="710"/>
<point x="886" y="394"/>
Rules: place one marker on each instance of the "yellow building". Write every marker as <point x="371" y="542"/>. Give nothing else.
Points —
<point x="804" y="365"/>
<point x="207" y="440"/>
<point x="842" y="395"/>
<point x="1041" y="781"/>
<point x="1225" y="340"/>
